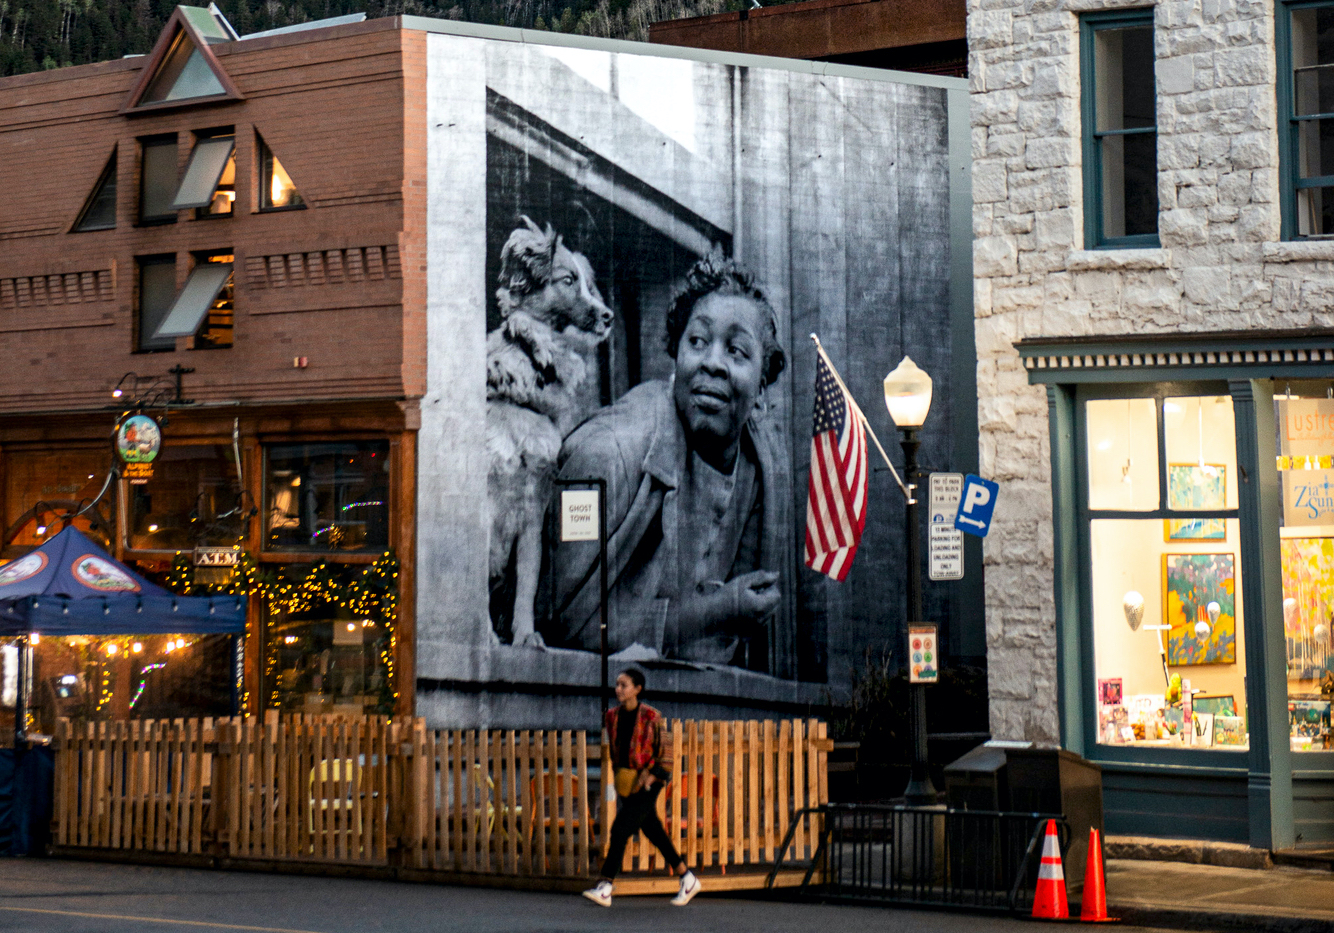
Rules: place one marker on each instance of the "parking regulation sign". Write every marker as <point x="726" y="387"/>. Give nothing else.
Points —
<point x="976" y="503"/>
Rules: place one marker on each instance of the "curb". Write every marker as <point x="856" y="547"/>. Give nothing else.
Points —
<point x="1174" y="918"/>
<point x="1189" y="851"/>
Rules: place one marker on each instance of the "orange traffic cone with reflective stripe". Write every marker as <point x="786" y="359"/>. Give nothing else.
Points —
<point x="1093" y="908"/>
<point x="1049" y="899"/>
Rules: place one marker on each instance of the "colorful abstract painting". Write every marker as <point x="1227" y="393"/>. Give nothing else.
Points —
<point x="1308" y="580"/>
<point x="1190" y="583"/>
<point x="1192" y="486"/>
<point x="1195" y="529"/>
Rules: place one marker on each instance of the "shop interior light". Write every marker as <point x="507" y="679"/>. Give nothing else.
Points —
<point x="35" y="638"/>
<point x="152" y="528"/>
<point x="41" y="530"/>
<point x="137" y="647"/>
<point x="112" y="648"/>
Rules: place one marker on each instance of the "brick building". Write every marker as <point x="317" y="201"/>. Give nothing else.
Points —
<point x="305" y="229"/>
<point x="1152" y="270"/>
<point x="925" y="36"/>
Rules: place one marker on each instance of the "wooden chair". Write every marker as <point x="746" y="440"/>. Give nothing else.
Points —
<point x="338" y="770"/>
<point x="547" y="814"/>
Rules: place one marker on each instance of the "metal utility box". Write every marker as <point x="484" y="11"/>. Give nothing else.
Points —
<point x="976" y="781"/>
<point x="1053" y="780"/>
<point x="1032" y="780"/>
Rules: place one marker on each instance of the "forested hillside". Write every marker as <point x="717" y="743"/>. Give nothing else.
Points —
<point x="36" y="34"/>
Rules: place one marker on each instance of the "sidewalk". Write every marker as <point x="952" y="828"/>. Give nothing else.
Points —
<point x="1181" y="896"/>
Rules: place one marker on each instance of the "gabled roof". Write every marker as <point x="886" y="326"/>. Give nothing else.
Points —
<point x="182" y="70"/>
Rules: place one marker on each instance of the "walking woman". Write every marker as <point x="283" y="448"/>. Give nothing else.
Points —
<point x="642" y="768"/>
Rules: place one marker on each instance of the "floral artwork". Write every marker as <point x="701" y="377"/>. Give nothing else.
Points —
<point x="1190" y="583"/>
<point x="1191" y="486"/>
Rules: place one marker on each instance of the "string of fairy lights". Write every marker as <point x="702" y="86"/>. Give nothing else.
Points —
<point x="371" y="594"/>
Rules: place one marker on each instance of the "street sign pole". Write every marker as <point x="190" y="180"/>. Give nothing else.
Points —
<point x="573" y="527"/>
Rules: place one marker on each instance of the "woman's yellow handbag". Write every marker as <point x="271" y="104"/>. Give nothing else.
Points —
<point x="626" y="778"/>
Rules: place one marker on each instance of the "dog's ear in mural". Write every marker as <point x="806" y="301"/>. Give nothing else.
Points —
<point x="553" y="314"/>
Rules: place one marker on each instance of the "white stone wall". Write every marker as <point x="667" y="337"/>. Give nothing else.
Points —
<point x="1219" y="268"/>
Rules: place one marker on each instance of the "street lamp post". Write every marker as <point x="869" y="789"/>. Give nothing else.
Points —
<point x="908" y="398"/>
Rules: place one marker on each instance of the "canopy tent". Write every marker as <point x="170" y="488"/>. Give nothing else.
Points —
<point x="70" y="586"/>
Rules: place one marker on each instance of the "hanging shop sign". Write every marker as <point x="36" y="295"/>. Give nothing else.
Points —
<point x="137" y="440"/>
<point x="217" y="557"/>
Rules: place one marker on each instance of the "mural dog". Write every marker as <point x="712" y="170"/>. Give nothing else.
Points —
<point x="553" y="314"/>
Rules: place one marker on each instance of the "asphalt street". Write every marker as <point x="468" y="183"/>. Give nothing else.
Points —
<point x="44" y="896"/>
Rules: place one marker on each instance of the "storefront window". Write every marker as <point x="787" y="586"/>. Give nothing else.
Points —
<point x="323" y="657"/>
<point x="56" y="483"/>
<point x="1166" y="590"/>
<point x="327" y="497"/>
<point x="193" y="499"/>
<point x="1304" y="416"/>
<point x="129" y="677"/>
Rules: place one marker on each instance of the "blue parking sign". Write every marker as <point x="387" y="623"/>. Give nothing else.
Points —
<point x="976" y="503"/>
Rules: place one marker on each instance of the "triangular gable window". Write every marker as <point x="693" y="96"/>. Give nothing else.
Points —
<point x="181" y="69"/>
<point x="276" y="190"/>
<point x="99" y="211"/>
<point x="183" y="75"/>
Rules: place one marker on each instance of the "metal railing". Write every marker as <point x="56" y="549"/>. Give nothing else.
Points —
<point x="926" y="856"/>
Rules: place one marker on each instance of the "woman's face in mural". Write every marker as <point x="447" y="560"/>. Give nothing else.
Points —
<point x="719" y="370"/>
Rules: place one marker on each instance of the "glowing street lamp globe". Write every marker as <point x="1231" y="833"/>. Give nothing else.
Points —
<point x="908" y="394"/>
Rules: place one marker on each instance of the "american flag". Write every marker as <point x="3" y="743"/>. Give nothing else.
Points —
<point x="836" y="504"/>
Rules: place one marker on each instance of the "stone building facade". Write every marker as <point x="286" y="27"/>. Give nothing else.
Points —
<point x="1230" y="296"/>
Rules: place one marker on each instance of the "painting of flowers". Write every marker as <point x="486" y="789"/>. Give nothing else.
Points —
<point x="1190" y="583"/>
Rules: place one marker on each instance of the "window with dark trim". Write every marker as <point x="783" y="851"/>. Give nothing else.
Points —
<point x="202" y="310"/>
<point x="157" y="179"/>
<point x="276" y="189"/>
<point x="209" y="184"/>
<point x="157" y="290"/>
<point x="1119" y="130"/>
<point x="330" y="496"/>
<point x="1305" y="42"/>
<point x="99" y="211"/>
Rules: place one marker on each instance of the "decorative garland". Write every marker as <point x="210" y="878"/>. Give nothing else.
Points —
<point x="372" y="593"/>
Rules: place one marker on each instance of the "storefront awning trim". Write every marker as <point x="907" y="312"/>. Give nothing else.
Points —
<point x="1216" y="355"/>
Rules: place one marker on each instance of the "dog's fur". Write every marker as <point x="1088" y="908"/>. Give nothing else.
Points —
<point x="534" y="366"/>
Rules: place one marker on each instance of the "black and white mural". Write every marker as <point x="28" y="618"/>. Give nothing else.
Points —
<point x="627" y="254"/>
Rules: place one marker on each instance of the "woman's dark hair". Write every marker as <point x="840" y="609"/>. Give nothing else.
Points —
<point x="636" y="677"/>
<point x="716" y="274"/>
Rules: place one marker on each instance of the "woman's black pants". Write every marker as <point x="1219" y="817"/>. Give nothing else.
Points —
<point x="638" y="812"/>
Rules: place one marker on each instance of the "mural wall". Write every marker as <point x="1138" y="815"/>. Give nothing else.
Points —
<point x="627" y="254"/>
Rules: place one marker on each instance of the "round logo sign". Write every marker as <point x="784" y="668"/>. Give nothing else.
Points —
<point x="138" y="439"/>
<point x="100" y="574"/>
<point x="27" y="566"/>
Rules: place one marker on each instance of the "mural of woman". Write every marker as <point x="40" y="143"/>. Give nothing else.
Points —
<point x="694" y="546"/>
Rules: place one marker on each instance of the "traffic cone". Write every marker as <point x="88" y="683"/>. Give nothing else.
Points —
<point x="1093" y="909"/>
<point x="1049" y="899"/>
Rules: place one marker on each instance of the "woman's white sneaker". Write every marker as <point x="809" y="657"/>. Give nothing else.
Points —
<point x="600" y="893"/>
<point x="690" y="886"/>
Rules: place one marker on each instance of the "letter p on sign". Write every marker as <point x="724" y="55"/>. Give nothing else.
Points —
<point x="975" y="505"/>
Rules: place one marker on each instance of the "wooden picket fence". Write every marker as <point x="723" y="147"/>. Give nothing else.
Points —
<point x="372" y="792"/>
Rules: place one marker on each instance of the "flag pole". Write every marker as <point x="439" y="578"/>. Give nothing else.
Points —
<point x="910" y="488"/>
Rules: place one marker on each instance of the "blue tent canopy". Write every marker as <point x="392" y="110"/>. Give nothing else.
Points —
<point x="70" y="586"/>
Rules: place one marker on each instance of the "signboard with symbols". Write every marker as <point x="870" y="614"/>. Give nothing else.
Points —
<point x="978" y="502"/>
<point x="923" y="659"/>
<point x="945" y="542"/>
<point x="579" y="515"/>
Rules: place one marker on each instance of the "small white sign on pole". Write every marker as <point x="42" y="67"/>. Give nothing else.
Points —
<point x="945" y="542"/>
<point x="579" y="515"/>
